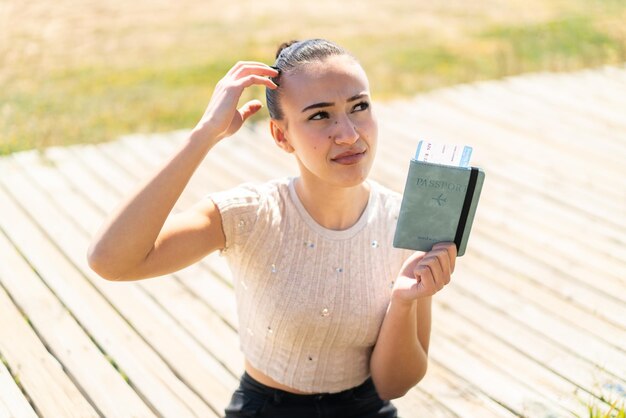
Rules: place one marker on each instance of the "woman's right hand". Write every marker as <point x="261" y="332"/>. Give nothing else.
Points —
<point x="221" y="117"/>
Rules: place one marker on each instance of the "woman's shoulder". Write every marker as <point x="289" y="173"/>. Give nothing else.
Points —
<point x="247" y="206"/>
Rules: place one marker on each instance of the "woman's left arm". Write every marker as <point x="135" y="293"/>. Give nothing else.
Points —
<point x="400" y="356"/>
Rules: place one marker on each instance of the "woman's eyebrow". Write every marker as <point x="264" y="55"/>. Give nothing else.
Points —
<point x="316" y="105"/>
<point x="357" y="97"/>
<point x="328" y="104"/>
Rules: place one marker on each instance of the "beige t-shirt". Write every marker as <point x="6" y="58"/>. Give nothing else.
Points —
<point x="310" y="300"/>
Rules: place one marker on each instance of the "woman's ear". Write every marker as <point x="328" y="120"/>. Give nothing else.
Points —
<point x="278" y="133"/>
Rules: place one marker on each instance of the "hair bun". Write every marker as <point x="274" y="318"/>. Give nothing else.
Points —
<point x="285" y="45"/>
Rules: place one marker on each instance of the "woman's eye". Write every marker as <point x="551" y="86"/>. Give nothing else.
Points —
<point x="360" y="106"/>
<point x="319" y="116"/>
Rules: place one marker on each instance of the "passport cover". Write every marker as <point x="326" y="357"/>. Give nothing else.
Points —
<point x="438" y="204"/>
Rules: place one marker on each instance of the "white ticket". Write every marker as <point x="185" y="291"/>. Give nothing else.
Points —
<point x="446" y="154"/>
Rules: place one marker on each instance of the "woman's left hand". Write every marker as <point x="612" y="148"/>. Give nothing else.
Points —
<point x="424" y="274"/>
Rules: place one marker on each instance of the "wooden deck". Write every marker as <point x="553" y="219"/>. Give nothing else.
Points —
<point x="533" y="324"/>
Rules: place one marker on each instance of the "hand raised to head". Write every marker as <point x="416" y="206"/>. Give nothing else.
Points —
<point x="221" y="117"/>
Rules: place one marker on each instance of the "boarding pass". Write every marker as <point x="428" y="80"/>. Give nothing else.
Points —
<point x="445" y="154"/>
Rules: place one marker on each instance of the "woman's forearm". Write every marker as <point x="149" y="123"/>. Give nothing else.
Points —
<point x="129" y="233"/>
<point x="400" y="358"/>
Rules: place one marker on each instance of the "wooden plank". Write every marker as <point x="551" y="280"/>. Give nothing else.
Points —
<point x="540" y="225"/>
<point x="498" y="385"/>
<point x="418" y="403"/>
<point x="461" y="397"/>
<point x="594" y="86"/>
<point x="492" y="246"/>
<point x="615" y="73"/>
<point x="171" y="295"/>
<point x="518" y="177"/>
<point x="560" y="98"/>
<point x="566" y="136"/>
<point x="52" y="392"/>
<point x="56" y="161"/>
<point x="144" y="367"/>
<point x="536" y="146"/>
<point x="522" y="109"/>
<point x="559" y="307"/>
<point x="526" y="234"/>
<point x="595" y="351"/>
<point x="138" y="163"/>
<point x="63" y="336"/>
<point x="486" y="348"/>
<point x="562" y="255"/>
<point x="524" y="175"/>
<point x="175" y="293"/>
<point x="533" y="148"/>
<point x="151" y="161"/>
<point x="214" y="289"/>
<point x="13" y="403"/>
<point x="200" y="372"/>
<point x="200" y="318"/>
<point x="571" y="226"/>
<point x="127" y="177"/>
<point x="216" y="292"/>
<point x="205" y="182"/>
<point x="522" y="312"/>
<point x="588" y="379"/>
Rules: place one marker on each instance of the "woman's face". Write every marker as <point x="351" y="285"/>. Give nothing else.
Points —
<point x="328" y="121"/>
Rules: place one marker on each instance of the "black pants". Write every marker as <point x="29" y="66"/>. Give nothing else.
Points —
<point x="254" y="399"/>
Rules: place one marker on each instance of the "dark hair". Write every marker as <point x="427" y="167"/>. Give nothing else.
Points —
<point x="293" y="54"/>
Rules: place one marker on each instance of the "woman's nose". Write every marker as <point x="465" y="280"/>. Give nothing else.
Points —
<point x="346" y="131"/>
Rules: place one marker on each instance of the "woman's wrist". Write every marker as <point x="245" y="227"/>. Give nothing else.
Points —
<point x="204" y="132"/>
<point x="401" y="301"/>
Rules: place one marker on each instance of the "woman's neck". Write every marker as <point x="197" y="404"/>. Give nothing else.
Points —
<point x="333" y="207"/>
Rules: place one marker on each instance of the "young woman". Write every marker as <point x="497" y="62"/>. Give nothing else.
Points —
<point x="333" y="321"/>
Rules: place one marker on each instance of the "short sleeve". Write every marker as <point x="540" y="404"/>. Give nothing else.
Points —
<point x="238" y="209"/>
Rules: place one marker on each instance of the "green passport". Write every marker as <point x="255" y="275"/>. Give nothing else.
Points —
<point x="438" y="204"/>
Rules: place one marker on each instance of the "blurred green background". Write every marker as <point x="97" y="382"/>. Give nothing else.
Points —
<point x="87" y="71"/>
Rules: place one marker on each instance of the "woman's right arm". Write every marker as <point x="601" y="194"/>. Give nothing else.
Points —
<point x="139" y="240"/>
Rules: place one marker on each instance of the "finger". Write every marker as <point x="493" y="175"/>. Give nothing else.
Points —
<point x="408" y="267"/>
<point x="255" y="79"/>
<point x="250" y="109"/>
<point x="425" y="281"/>
<point x="451" y="249"/>
<point x="263" y="70"/>
<point x="444" y="263"/>
<point x="433" y="264"/>
<point x="240" y="64"/>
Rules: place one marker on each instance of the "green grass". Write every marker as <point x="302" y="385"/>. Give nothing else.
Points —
<point x="609" y="402"/>
<point x="616" y="410"/>
<point x="570" y="42"/>
<point x="89" y="104"/>
<point x="96" y="104"/>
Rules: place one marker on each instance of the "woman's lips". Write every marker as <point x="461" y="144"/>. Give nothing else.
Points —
<point x="349" y="158"/>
